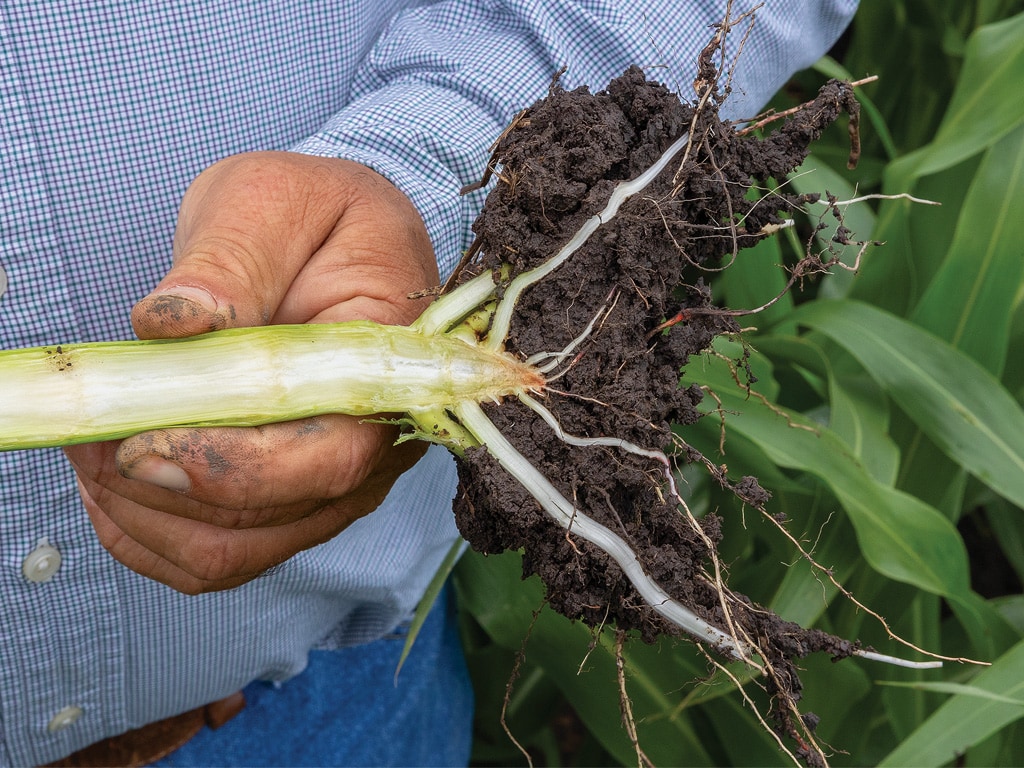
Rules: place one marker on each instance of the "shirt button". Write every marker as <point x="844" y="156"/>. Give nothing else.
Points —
<point x="42" y="562"/>
<point x="64" y="719"/>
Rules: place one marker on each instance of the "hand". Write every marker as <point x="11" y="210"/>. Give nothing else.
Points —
<point x="262" y="238"/>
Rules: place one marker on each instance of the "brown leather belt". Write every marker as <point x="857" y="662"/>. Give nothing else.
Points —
<point x="151" y="742"/>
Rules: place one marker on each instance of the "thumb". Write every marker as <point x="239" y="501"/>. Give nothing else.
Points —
<point x="246" y="227"/>
<point x="175" y="311"/>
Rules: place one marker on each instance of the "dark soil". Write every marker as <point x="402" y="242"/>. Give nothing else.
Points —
<point x="557" y="165"/>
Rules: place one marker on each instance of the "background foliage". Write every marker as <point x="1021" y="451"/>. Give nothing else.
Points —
<point x="909" y="485"/>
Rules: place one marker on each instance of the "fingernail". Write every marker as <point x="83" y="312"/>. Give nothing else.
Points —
<point x="183" y="307"/>
<point x="190" y="293"/>
<point x="159" y="472"/>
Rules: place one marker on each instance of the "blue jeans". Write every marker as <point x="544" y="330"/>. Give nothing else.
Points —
<point x="346" y="709"/>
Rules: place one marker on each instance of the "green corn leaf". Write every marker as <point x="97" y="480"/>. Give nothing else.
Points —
<point x="426" y="603"/>
<point x="969" y="717"/>
<point x="803" y="593"/>
<point x="956" y="402"/>
<point x="985" y="106"/>
<point x="858" y="409"/>
<point x="493" y="591"/>
<point x="900" y="536"/>
<point x="955" y="688"/>
<point x="970" y="301"/>
<point x="744" y="740"/>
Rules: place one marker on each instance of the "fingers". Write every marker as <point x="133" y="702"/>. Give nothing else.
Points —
<point x="278" y="237"/>
<point x="267" y="468"/>
<point x="239" y="516"/>
<point x="191" y="556"/>
<point x="248" y="477"/>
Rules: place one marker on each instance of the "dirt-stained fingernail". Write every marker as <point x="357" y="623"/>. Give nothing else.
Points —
<point x="189" y="308"/>
<point x="191" y="293"/>
<point x="159" y="472"/>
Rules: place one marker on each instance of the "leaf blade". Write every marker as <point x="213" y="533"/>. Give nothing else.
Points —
<point x="900" y="536"/>
<point x="988" y="85"/>
<point x="970" y="300"/>
<point x="966" y="720"/>
<point x="956" y="402"/>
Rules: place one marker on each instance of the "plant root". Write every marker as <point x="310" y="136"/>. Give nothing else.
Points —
<point x="625" y="199"/>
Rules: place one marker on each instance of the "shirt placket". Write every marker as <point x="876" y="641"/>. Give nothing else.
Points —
<point x="61" y="651"/>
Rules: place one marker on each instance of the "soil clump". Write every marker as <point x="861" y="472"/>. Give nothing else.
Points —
<point x="557" y="165"/>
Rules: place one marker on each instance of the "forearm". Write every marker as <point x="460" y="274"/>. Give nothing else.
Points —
<point x="445" y="79"/>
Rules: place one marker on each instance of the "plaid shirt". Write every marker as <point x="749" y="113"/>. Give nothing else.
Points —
<point x="109" y="109"/>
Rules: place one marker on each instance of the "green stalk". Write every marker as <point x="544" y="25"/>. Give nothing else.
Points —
<point x="67" y="394"/>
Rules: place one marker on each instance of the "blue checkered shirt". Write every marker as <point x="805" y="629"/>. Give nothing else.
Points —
<point x="109" y="109"/>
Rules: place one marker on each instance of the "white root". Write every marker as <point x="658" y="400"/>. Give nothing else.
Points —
<point x="661" y="458"/>
<point x="554" y="359"/>
<point x="622" y="192"/>
<point x="896" y="661"/>
<point x="571" y="518"/>
<point x="878" y="196"/>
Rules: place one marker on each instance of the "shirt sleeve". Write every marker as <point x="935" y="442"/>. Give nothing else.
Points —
<point x="444" y="79"/>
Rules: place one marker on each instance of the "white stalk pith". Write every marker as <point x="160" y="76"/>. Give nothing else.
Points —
<point x="242" y="377"/>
